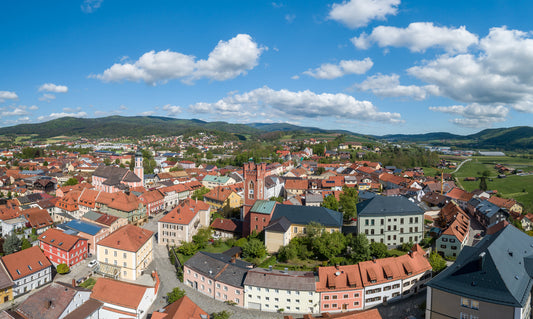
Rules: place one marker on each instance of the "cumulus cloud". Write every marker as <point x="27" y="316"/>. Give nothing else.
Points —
<point x="14" y="111"/>
<point x="389" y="86"/>
<point x="33" y="108"/>
<point x="332" y="71"/>
<point x="50" y="87"/>
<point x="418" y="37"/>
<point x="172" y="109"/>
<point x="496" y="75"/>
<point x="47" y="97"/>
<point x="474" y="115"/>
<point x="7" y="95"/>
<point x="146" y="113"/>
<point x="301" y="104"/>
<point x="290" y="18"/>
<point x="358" y="13"/>
<point x="52" y="116"/>
<point x="228" y="60"/>
<point x="90" y="6"/>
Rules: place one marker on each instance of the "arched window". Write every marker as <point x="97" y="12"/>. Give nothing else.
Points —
<point x="251" y="190"/>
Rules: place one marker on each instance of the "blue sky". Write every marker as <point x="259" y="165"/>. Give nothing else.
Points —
<point x="368" y="66"/>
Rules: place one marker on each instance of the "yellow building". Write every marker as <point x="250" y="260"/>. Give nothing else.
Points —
<point x="6" y="286"/>
<point x="289" y="221"/>
<point x="125" y="253"/>
<point x="223" y="197"/>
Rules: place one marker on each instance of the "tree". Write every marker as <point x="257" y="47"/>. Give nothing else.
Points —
<point x="11" y="244"/>
<point x="9" y="195"/>
<point x="188" y="249"/>
<point x="288" y="252"/>
<point x="278" y="199"/>
<point x="176" y="294"/>
<point x="437" y="262"/>
<point x="359" y="248"/>
<point x="62" y="269"/>
<point x="202" y="237"/>
<point x="45" y="163"/>
<point x="107" y="161"/>
<point x="329" y="245"/>
<point x="224" y="314"/>
<point x="254" y="248"/>
<point x="330" y="202"/>
<point x="199" y="193"/>
<point x="378" y="250"/>
<point x="348" y="203"/>
<point x="25" y="244"/>
<point x="483" y="183"/>
<point x="71" y="182"/>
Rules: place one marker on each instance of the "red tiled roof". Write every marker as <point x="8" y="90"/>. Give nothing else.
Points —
<point x="25" y="262"/>
<point x="299" y="184"/>
<point x="59" y="239"/>
<point x="127" y="237"/>
<point x="118" y="293"/>
<point x="38" y="218"/>
<point x="219" y="193"/>
<point x="338" y="278"/>
<point x="183" y="308"/>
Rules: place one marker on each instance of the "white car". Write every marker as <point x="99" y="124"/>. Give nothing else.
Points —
<point x="92" y="263"/>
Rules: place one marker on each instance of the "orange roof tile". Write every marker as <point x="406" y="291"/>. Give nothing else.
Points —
<point x="219" y="193"/>
<point x="118" y="293"/>
<point x="128" y="237"/>
<point x="300" y="184"/>
<point x="25" y="262"/>
<point x="338" y="278"/>
<point x="183" y="308"/>
<point x="59" y="239"/>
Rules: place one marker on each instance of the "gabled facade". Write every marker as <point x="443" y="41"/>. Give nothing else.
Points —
<point x="340" y="288"/>
<point x="28" y="269"/>
<point x="62" y="248"/>
<point x="183" y="222"/>
<point x="456" y="225"/>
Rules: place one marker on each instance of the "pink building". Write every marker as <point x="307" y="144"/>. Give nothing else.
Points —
<point x="340" y="288"/>
<point x="217" y="275"/>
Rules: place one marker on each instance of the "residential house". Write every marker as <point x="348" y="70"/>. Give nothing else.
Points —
<point x="154" y="201"/>
<point x="460" y="196"/>
<point x="15" y="224"/>
<point x="289" y="221"/>
<point x="212" y="181"/>
<point x="260" y="214"/>
<point x="55" y="301"/>
<point x="28" y="269"/>
<point x="124" y="300"/>
<point x="174" y="194"/>
<point x="183" y="222"/>
<point x="38" y="219"/>
<point x="226" y="228"/>
<point x="296" y="187"/>
<point x="122" y="205"/>
<point x="91" y="232"/>
<point x="492" y="279"/>
<point x="313" y="199"/>
<point x="217" y="275"/>
<point x="273" y="186"/>
<point x="105" y="220"/>
<point x="63" y="248"/>
<point x="223" y="198"/>
<point x="390" y="220"/>
<point x="126" y="253"/>
<point x="6" y="286"/>
<point x="340" y="288"/>
<point x="488" y="213"/>
<point x="272" y="290"/>
<point x="510" y="204"/>
<point x="181" y="308"/>
<point x="455" y="225"/>
<point x="357" y="314"/>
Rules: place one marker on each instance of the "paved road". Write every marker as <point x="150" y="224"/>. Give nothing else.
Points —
<point x="460" y="164"/>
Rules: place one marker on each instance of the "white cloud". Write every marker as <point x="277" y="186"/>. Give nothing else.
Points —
<point x="146" y="113"/>
<point x="71" y="110"/>
<point x="33" y="108"/>
<point x="496" y="75"/>
<point x="50" y="87"/>
<point x="358" y="13"/>
<point x="7" y="95"/>
<point x="47" y="97"/>
<point x="290" y="18"/>
<point x="332" y="71"/>
<point x="474" y="115"/>
<point x="172" y="109"/>
<point x="418" y="37"/>
<point x="123" y="107"/>
<point x="389" y="86"/>
<point x="90" y="6"/>
<point x="52" y="116"/>
<point x="228" y="60"/>
<point x="302" y="104"/>
<point x="14" y="111"/>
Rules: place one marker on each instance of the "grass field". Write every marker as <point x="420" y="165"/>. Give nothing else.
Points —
<point x="513" y="186"/>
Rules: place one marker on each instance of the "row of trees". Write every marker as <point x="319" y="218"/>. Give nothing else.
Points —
<point x="347" y="203"/>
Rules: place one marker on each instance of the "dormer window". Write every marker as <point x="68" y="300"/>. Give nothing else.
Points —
<point x="29" y="267"/>
<point x="18" y="271"/>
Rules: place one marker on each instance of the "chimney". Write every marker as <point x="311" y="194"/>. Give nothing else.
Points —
<point x="233" y="259"/>
<point x="481" y="260"/>
<point x="73" y="282"/>
<point x="373" y="259"/>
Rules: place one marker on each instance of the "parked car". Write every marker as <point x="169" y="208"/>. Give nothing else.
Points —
<point x="92" y="263"/>
<point x="478" y="235"/>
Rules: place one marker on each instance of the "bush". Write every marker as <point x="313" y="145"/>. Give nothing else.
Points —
<point x="175" y="294"/>
<point x="222" y="314"/>
<point x="62" y="269"/>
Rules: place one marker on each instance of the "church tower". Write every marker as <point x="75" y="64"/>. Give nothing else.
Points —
<point x="139" y="169"/>
<point x="254" y="188"/>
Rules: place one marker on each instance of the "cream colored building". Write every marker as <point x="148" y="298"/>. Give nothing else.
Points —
<point x="183" y="222"/>
<point x="125" y="253"/>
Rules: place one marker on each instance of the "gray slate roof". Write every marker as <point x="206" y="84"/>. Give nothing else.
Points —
<point x="277" y="279"/>
<point x="498" y="269"/>
<point x="487" y="208"/>
<point x="280" y="225"/>
<point x="384" y="206"/>
<point x="214" y="266"/>
<point x="303" y="215"/>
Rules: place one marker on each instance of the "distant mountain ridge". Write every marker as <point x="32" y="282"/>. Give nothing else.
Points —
<point x="519" y="137"/>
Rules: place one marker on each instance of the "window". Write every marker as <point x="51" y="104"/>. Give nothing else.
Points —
<point x="356" y="303"/>
<point x="475" y="304"/>
<point x="326" y="297"/>
<point x="334" y="297"/>
<point x="124" y="255"/>
<point x="334" y="305"/>
<point x="464" y="316"/>
<point x="465" y="302"/>
<point x="115" y="253"/>
<point x="356" y="295"/>
<point x="443" y="246"/>
<point x="288" y="300"/>
<point x="452" y="240"/>
<point x="366" y="222"/>
<point x="218" y="285"/>
<point x="237" y="292"/>
<point x="106" y="252"/>
<point x="326" y="306"/>
<point x="345" y="296"/>
<point x="295" y="229"/>
<point x="124" y="264"/>
<point x="444" y="239"/>
<point x="454" y="247"/>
